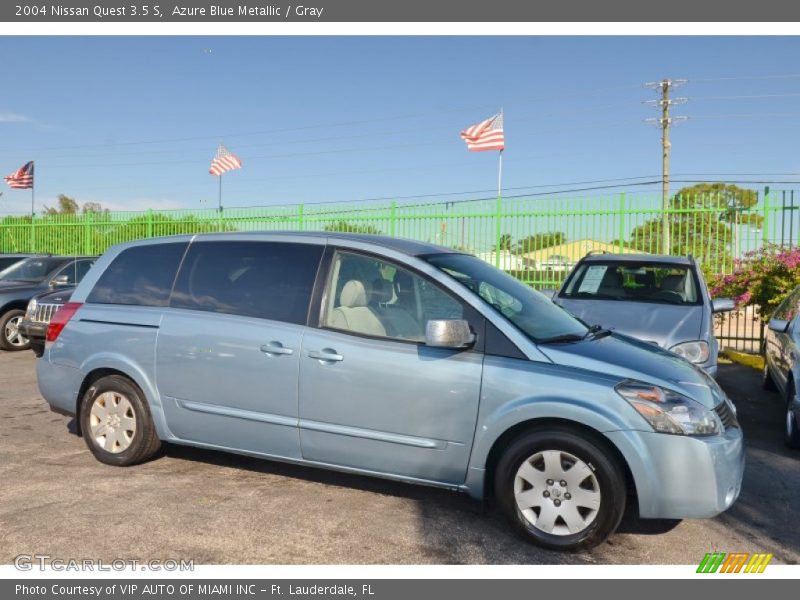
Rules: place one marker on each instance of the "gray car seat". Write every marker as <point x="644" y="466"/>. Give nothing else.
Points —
<point x="353" y="312"/>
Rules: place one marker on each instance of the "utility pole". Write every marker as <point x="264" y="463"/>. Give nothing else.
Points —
<point x="665" y="121"/>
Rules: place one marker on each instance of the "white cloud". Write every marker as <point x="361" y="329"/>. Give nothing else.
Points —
<point x="10" y="117"/>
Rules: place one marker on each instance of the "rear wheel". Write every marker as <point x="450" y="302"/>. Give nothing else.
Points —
<point x="116" y="422"/>
<point x="10" y="337"/>
<point x="767" y="382"/>
<point x="792" y="436"/>
<point x="560" y="489"/>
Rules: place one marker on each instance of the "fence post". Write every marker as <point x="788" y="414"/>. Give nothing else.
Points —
<point x="621" y="220"/>
<point x="392" y="217"/>
<point x="33" y="232"/>
<point x="498" y="217"/>
<point x="149" y="222"/>
<point x="764" y="233"/>
<point x="300" y="217"/>
<point x="87" y="233"/>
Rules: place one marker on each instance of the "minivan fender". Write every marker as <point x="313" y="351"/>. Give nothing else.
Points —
<point x="107" y="361"/>
<point x="513" y="418"/>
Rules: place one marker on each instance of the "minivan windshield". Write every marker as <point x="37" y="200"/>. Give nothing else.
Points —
<point x="655" y="282"/>
<point x="531" y="312"/>
<point x="30" y="270"/>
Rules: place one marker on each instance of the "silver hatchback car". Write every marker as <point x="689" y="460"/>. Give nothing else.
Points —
<point x="390" y="358"/>
<point x="658" y="299"/>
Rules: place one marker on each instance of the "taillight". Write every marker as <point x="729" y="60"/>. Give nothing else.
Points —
<point x="60" y="320"/>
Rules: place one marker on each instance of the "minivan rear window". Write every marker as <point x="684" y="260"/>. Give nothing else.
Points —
<point x="141" y="275"/>
<point x="267" y="280"/>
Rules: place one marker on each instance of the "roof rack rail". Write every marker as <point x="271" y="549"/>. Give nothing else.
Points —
<point x="593" y="252"/>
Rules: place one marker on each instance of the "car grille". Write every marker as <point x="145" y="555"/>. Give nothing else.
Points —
<point x="726" y="415"/>
<point x="45" y="312"/>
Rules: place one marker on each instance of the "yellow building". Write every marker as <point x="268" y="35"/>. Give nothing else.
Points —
<point x="562" y="257"/>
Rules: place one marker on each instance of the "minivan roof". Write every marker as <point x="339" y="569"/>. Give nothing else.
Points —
<point x="406" y="246"/>
<point x="638" y="258"/>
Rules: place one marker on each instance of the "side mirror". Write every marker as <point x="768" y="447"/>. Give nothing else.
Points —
<point x="550" y="293"/>
<point x="778" y="325"/>
<point x="59" y="281"/>
<point x="719" y="305"/>
<point x="448" y="333"/>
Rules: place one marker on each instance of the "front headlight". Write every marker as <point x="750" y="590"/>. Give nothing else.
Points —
<point x="695" y="352"/>
<point x="668" y="411"/>
<point x="31" y="310"/>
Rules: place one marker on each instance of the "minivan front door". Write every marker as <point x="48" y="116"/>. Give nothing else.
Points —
<point x="373" y="396"/>
<point x="228" y="348"/>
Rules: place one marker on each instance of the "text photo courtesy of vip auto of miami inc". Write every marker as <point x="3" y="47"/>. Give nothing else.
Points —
<point x="399" y="301"/>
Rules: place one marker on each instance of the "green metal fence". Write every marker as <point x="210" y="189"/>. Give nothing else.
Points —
<point x="516" y="234"/>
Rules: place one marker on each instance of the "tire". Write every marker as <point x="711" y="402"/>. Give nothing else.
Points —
<point x="792" y="432"/>
<point x="116" y="422"/>
<point x="533" y="470"/>
<point x="10" y="338"/>
<point x="767" y="382"/>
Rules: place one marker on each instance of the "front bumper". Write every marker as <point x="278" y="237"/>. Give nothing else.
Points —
<point x="36" y="334"/>
<point x="683" y="477"/>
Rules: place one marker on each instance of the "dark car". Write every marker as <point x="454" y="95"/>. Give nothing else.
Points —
<point x="8" y="260"/>
<point x="40" y="310"/>
<point x="24" y="280"/>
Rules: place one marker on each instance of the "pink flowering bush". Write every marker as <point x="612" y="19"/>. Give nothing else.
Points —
<point x="762" y="277"/>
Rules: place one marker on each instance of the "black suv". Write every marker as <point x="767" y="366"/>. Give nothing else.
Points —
<point x="24" y="280"/>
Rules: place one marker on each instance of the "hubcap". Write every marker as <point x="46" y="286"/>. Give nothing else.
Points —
<point x="13" y="336"/>
<point x="557" y="492"/>
<point x="113" y="422"/>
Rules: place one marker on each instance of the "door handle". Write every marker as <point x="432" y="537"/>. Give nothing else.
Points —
<point x="326" y="354"/>
<point x="276" y="348"/>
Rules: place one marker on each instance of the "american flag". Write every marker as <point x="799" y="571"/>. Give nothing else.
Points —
<point x="486" y="135"/>
<point x="224" y="161"/>
<point x="21" y="179"/>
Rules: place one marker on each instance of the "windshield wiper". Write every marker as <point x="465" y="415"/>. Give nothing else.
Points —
<point x="558" y="339"/>
<point x="596" y="332"/>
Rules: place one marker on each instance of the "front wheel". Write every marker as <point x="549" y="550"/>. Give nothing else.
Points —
<point x="560" y="490"/>
<point x="10" y="337"/>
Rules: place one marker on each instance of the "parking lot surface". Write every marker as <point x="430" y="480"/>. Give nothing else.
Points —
<point x="217" y="508"/>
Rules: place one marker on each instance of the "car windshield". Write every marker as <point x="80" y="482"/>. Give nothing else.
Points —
<point x="531" y="312"/>
<point x="31" y="270"/>
<point x="660" y="283"/>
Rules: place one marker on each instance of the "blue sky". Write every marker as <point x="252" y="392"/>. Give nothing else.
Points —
<point x="319" y="119"/>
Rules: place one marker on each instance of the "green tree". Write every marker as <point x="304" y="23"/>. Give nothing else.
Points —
<point x="703" y="221"/>
<point x="344" y="226"/>
<point x="506" y="242"/>
<point x="539" y="241"/>
<point x="66" y="206"/>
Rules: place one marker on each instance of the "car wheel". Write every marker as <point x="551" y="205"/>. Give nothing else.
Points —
<point x="560" y="490"/>
<point x="10" y="337"/>
<point x="116" y="422"/>
<point x="767" y="382"/>
<point x="792" y="437"/>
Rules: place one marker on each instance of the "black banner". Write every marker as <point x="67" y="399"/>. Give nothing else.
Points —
<point x="390" y="589"/>
<point x="408" y="10"/>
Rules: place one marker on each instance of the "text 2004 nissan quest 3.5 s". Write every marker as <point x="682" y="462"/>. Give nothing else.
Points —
<point x="393" y="358"/>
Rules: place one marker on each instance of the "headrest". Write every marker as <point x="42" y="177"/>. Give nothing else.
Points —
<point x="353" y="294"/>
<point x="381" y="291"/>
<point x="403" y="282"/>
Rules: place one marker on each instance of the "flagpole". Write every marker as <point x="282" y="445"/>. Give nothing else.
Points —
<point x="219" y="205"/>
<point x="33" y="209"/>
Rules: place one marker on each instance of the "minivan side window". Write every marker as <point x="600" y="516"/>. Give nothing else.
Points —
<point x="369" y="296"/>
<point x="267" y="280"/>
<point x="140" y="275"/>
